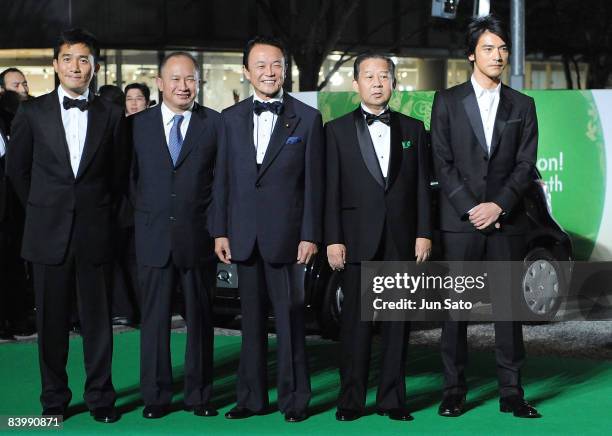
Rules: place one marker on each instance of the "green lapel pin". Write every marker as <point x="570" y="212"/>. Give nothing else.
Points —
<point x="406" y="144"/>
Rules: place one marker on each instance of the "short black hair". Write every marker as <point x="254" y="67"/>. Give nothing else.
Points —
<point x="141" y="87"/>
<point x="263" y="40"/>
<point x="77" y="36"/>
<point x="5" y="72"/>
<point x="372" y="55"/>
<point x="480" y="25"/>
<point x="112" y="93"/>
<point x="176" y="54"/>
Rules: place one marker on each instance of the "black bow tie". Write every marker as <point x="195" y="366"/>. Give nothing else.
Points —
<point x="385" y="117"/>
<point x="276" y="107"/>
<point x="80" y="104"/>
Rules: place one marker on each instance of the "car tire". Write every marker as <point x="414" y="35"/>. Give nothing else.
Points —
<point x="330" y="311"/>
<point x="543" y="286"/>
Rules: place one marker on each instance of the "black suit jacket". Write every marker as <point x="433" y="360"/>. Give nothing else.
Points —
<point x="467" y="173"/>
<point x="171" y="202"/>
<point x="359" y="203"/>
<point x="3" y="182"/>
<point x="58" y="205"/>
<point x="280" y="204"/>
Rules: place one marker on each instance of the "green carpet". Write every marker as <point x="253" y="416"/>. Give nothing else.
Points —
<point x="575" y="396"/>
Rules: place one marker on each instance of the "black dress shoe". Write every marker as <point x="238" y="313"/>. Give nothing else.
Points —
<point x="24" y="328"/>
<point x="347" y="415"/>
<point x="155" y="411"/>
<point x="239" y="413"/>
<point x="202" y="410"/>
<point x="295" y="416"/>
<point x="54" y="411"/>
<point x="518" y="406"/>
<point x="107" y="415"/>
<point x="122" y="321"/>
<point x="452" y="406"/>
<point x="398" y="414"/>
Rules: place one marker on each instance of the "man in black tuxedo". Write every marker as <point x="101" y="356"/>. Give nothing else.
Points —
<point x="268" y="215"/>
<point x="68" y="161"/>
<point x="175" y="147"/>
<point x="377" y="208"/>
<point x="484" y="140"/>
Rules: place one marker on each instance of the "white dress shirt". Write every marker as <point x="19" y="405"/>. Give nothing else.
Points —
<point x="75" y="128"/>
<point x="488" y="100"/>
<point x="263" y="126"/>
<point x="168" y="120"/>
<point x="381" y="138"/>
<point x="2" y="146"/>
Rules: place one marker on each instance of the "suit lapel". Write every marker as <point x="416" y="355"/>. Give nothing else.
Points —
<point x="197" y="126"/>
<point x="56" y="127"/>
<point x="158" y="133"/>
<point x="97" y="119"/>
<point x="367" y="147"/>
<point x="247" y="124"/>
<point x="470" y="104"/>
<point x="395" y="159"/>
<point x="285" y="125"/>
<point x="503" y="113"/>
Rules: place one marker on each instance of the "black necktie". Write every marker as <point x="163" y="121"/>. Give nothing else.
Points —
<point x="276" y="107"/>
<point x="80" y="104"/>
<point x="385" y="117"/>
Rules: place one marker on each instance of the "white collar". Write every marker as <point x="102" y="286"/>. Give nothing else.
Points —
<point x="277" y="97"/>
<point x="368" y="110"/>
<point x="168" y="114"/>
<point x="480" y="91"/>
<point x="61" y="93"/>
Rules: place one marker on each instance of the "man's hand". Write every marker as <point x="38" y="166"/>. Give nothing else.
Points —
<point x="222" y="250"/>
<point x="422" y="249"/>
<point x="305" y="251"/>
<point x="336" y="256"/>
<point x="485" y="214"/>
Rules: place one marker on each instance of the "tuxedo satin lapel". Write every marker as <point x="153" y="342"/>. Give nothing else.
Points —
<point x="366" y="146"/>
<point x="53" y="117"/>
<point x="285" y="125"/>
<point x="470" y="104"/>
<point x="503" y="113"/>
<point x="97" y="120"/>
<point x="395" y="160"/>
<point x="197" y="126"/>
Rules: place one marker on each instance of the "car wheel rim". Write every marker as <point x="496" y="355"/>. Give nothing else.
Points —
<point x="338" y="299"/>
<point x="541" y="287"/>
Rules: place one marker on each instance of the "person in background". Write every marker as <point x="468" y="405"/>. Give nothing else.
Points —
<point x="137" y="98"/>
<point x="12" y="79"/>
<point x="111" y="93"/>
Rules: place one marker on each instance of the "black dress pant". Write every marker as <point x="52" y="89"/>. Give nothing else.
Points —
<point x="126" y="296"/>
<point x="356" y="339"/>
<point x="260" y="281"/>
<point x="157" y="286"/>
<point x="16" y="296"/>
<point x="509" y="347"/>
<point x="55" y="287"/>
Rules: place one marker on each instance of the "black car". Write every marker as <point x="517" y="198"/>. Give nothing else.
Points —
<point x="545" y="282"/>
